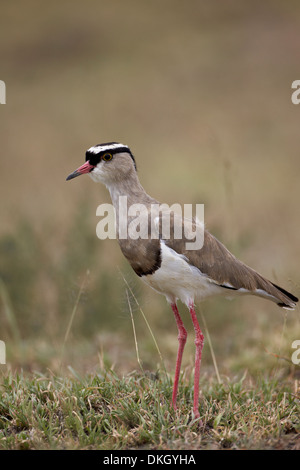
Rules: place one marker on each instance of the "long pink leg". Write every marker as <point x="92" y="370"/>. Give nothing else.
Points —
<point x="182" y="335"/>
<point x="199" y="341"/>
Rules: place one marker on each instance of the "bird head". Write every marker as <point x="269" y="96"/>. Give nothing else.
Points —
<point x="107" y="163"/>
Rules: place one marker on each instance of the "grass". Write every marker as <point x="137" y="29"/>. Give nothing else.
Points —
<point x="109" y="411"/>
<point x="50" y="400"/>
<point x="105" y="411"/>
<point x="203" y="100"/>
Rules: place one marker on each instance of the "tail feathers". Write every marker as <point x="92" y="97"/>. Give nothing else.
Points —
<point x="286" y="299"/>
<point x="264" y="288"/>
<point x="267" y="289"/>
<point x="259" y="285"/>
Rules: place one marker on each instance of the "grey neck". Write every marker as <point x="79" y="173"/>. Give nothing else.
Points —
<point x="132" y="189"/>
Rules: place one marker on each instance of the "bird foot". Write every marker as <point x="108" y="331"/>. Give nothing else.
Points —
<point x="196" y="416"/>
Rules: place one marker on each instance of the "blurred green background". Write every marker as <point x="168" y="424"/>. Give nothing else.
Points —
<point x="201" y="92"/>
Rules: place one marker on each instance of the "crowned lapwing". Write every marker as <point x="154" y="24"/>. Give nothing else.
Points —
<point x="165" y="263"/>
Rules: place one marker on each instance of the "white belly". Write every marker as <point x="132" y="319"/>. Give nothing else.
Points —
<point x="177" y="279"/>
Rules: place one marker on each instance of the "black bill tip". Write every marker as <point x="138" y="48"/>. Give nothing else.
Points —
<point x="73" y="175"/>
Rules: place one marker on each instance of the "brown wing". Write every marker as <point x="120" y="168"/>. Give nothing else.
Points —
<point x="224" y="269"/>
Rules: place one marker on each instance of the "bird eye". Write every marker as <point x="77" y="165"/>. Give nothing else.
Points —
<point x="107" y="157"/>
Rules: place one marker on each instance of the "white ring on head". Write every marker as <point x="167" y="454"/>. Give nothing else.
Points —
<point x="106" y="148"/>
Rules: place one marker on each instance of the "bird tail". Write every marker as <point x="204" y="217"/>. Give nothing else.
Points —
<point x="285" y="299"/>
